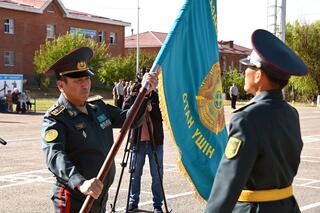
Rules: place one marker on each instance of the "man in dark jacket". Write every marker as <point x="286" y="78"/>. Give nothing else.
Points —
<point x="148" y="140"/>
<point x="263" y="151"/>
<point x="76" y="135"/>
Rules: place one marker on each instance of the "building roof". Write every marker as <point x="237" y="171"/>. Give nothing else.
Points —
<point x="156" y="39"/>
<point x="146" y="39"/>
<point x="232" y="48"/>
<point x="38" y="6"/>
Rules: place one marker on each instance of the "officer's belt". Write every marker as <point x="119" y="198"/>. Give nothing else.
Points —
<point x="265" y="195"/>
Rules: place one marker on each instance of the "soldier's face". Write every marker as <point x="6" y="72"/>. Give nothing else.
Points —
<point x="250" y="80"/>
<point x="76" y="90"/>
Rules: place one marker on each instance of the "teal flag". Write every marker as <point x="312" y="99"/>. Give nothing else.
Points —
<point x="190" y="93"/>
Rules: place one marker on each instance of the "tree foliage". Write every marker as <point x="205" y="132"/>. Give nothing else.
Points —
<point x="52" y="50"/>
<point x="304" y="39"/>
<point x="233" y="77"/>
<point x="124" y="67"/>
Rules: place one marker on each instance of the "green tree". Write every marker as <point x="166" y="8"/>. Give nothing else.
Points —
<point x="233" y="77"/>
<point x="123" y="67"/>
<point x="304" y="39"/>
<point x="52" y="50"/>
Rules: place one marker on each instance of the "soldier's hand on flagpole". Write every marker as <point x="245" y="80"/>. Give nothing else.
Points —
<point x="92" y="187"/>
<point x="151" y="79"/>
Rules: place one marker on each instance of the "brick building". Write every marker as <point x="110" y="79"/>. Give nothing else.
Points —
<point x="26" y="24"/>
<point x="151" y="42"/>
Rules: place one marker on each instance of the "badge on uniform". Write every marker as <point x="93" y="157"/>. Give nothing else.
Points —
<point x="232" y="148"/>
<point x="103" y="121"/>
<point x="50" y="135"/>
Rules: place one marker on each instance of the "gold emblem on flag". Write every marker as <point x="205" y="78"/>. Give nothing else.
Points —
<point x="82" y="65"/>
<point x="210" y="101"/>
<point x="232" y="148"/>
<point x="51" y="135"/>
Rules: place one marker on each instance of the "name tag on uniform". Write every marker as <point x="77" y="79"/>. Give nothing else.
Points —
<point x="103" y="121"/>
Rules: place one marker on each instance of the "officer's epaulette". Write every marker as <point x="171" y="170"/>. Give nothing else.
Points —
<point x="94" y="98"/>
<point x="243" y="107"/>
<point x="57" y="110"/>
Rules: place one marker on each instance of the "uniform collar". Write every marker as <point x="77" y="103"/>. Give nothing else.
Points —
<point x="267" y="95"/>
<point x="72" y="111"/>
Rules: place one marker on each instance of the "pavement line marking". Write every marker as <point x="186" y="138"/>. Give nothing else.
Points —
<point x="309" y="183"/>
<point x="311" y="187"/>
<point x="305" y="156"/>
<point x="25" y="173"/>
<point x="23" y="139"/>
<point x="168" y="197"/>
<point x="42" y="180"/>
<point x="310" y="206"/>
<point x="311" y="161"/>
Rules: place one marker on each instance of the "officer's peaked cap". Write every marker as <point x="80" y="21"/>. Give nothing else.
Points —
<point x="274" y="57"/>
<point x="74" y="64"/>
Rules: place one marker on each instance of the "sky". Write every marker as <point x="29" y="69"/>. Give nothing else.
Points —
<point x="237" y="19"/>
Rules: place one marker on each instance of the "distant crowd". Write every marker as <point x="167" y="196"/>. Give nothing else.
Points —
<point x="17" y="101"/>
<point x="121" y="91"/>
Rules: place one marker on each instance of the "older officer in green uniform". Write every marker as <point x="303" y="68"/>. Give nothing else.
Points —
<point x="263" y="151"/>
<point x="77" y="135"/>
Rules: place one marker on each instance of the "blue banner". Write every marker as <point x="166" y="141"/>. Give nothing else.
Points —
<point x="190" y="93"/>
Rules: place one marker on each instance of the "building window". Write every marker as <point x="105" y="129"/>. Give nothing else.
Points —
<point x="113" y="38"/>
<point x="8" y="58"/>
<point x="9" y="26"/>
<point x="232" y="65"/>
<point x="51" y="31"/>
<point x="50" y="10"/>
<point x="224" y="63"/>
<point x="102" y="36"/>
<point x="90" y="34"/>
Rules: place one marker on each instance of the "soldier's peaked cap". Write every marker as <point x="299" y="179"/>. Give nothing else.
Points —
<point x="274" y="57"/>
<point x="74" y="64"/>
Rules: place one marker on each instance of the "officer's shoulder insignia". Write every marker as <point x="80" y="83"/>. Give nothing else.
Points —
<point x="94" y="98"/>
<point x="232" y="147"/>
<point x="50" y="135"/>
<point x="243" y="107"/>
<point x="57" y="110"/>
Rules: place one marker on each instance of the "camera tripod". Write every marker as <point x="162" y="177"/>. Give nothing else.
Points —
<point x="133" y="139"/>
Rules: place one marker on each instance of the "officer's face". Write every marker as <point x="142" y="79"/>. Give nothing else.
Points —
<point x="76" y="90"/>
<point x="250" y="80"/>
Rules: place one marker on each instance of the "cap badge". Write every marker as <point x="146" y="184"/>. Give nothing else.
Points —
<point x="81" y="65"/>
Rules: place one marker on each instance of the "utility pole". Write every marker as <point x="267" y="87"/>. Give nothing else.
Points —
<point x="276" y="18"/>
<point x="283" y="20"/>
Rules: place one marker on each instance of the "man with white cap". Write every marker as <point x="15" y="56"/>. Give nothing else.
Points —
<point x="264" y="144"/>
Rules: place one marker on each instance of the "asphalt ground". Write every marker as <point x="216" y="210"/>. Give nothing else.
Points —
<point x="25" y="183"/>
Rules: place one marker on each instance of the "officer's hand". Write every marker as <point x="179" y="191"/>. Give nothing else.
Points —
<point x="151" y="79"/>
<point x="92" y="187"/>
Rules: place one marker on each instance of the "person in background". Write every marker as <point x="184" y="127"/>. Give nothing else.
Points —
<point x="15" y="99"/>
<point x="9" y="100"/>
<point x="149" y="144"/>
<point x="120" y="93"/>
<point x="262" y="155"/>
<point x="114" y="94"/>
<point x="77" y="134"/>
<point x="233" y="95"/>
<point x="28" y="100"/>
<point x="23" y="102"/>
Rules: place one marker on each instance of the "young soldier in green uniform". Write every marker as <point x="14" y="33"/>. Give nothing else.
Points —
<point x="263" y="151"/>
<point x="76" y="135"/>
